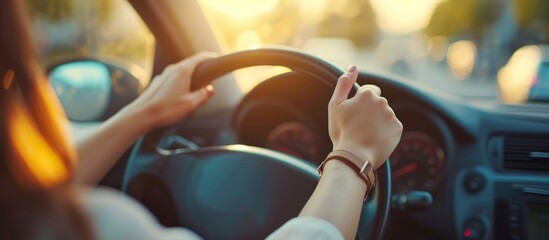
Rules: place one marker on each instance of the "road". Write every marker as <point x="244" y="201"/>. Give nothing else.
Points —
<point x="435" y="74"/>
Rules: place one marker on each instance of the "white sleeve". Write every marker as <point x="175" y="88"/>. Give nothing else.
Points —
<point x="307" y="228"/>
<point x="115" y="216"/>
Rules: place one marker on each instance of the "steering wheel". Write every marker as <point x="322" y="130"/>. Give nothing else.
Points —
<point x="238" y="191"/>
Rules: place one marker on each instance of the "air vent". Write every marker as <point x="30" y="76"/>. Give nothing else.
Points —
<point x="526" y="152"/>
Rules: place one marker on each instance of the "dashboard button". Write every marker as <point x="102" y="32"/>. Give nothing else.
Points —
<point x="474" y="182"/>
<point x="474" y="229"/>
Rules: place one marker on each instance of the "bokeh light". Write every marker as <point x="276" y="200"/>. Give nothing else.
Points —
<point x="461" y="58"/>
<point x="516" y="77"/>
<point x="437" y="48"/>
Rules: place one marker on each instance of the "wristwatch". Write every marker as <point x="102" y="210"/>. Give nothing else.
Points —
<point x="362" y="168"/>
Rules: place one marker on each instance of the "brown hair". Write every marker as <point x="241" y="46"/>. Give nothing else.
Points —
<point x="36" y="158"/>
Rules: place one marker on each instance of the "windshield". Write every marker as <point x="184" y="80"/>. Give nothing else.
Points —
<point x="77" y="40"/>
<point x="111" y="30"/>
<point x="488" y="49"/>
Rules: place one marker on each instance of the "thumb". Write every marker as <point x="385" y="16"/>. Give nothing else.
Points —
<point x="344" y="85"/>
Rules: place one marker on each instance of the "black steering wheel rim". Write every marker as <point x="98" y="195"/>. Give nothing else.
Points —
<point x="210" y="70"/>
<point x="375" y="210"/>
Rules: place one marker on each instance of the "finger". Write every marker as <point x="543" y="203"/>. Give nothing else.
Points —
<point x="199" y="96"/>
<point x="190" y="62"/>
<point x="372" y="88"/>
<point x="344" y="85"/>
<point x="211" y="90"/>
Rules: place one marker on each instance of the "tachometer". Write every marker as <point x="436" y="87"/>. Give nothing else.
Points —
<point x="416" y="162"/>
<point x="295" y="139"/>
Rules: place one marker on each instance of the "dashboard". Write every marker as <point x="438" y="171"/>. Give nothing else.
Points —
<point x="418" y="162"/>
<point x="454" y="149"/>
<point x="485" y="165"/>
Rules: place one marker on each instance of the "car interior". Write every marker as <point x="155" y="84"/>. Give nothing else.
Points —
<point x="470" y="164"/>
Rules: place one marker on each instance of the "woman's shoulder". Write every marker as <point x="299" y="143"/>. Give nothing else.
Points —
<point x="115" y="215"/>
<point x="106" y="202"/>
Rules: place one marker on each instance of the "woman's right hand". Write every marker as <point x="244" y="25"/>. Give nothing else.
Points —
<point x="364" y="124"/>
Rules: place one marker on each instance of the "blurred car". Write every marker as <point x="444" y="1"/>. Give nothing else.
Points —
<point x="524" y="78"/>
<point x="539" y="91"/>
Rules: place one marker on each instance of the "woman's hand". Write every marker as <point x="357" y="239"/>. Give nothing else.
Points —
<point x="169" y="99"/>
<point x="364" y="124"/>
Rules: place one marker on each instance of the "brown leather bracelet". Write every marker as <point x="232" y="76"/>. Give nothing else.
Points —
<point x="362" y="168"/>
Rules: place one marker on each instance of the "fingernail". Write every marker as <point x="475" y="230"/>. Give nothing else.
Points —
<point x="210" y="90"/>
<point x="351" y="69"/>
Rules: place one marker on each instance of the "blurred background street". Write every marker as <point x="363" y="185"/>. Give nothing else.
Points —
<point x="470" y="48"/>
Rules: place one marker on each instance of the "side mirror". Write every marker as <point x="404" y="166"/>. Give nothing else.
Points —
<point x="93" y="90"/>
<point x="83" y="88"/>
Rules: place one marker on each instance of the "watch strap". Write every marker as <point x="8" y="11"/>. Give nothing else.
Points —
<point x="362" y="168"/>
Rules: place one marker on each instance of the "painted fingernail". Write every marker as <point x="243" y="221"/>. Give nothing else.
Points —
<point x="351" y="69"/>
<point x="210" y="90"/>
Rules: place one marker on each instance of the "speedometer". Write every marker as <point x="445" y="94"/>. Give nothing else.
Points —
<point x="295" y="139"/>
<point x="416" y="162"/>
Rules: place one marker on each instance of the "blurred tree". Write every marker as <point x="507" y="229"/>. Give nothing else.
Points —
<point x="359" y="27"/>
<point x="533" y="19"/>
<point x="457" y="17"/>
<point x="59" y="10"/>
<point x="53" y="10"/>
<point x="488" y="12"/>
<point x="462" y="17"/>
<point x="450" y="18"/>
<point x="531" y="11"/>
<point x="68" y="28"/>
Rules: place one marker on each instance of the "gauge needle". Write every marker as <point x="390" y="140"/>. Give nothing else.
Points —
<point x="404" y="170"/>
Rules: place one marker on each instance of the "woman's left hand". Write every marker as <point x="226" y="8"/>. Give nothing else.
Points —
<point x="169" y="99"/>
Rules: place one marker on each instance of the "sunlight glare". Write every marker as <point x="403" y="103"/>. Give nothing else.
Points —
<point x="248" y="40"/>
<point x="45" y="165"/>
<point x="403" y="16"/>
<point x="313" y="11"/>
<point x="242" y="8"/>
<point x="248" y="78"/>
<point x="515" y="78"/>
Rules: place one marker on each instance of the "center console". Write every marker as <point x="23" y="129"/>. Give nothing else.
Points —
<point x="521" y="211"/>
